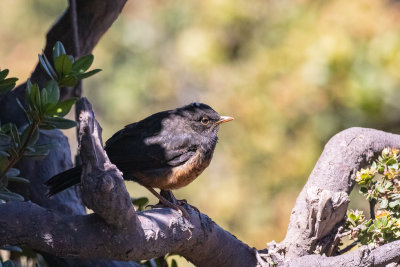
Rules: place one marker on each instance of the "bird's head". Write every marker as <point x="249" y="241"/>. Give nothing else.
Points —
<point x="201" y="118"/>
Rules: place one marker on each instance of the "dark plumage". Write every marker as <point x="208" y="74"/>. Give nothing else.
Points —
<point x="166" y="150"/>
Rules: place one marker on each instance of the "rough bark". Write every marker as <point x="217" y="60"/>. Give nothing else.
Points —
<point x="94" y="19"/>
<point x="333" y="178"/>
<point x="116" y="231"/>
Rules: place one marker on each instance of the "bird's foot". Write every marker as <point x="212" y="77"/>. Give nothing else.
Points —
<point x="168" y="201"/>
<point x="174" y="206"/>
<point x="167" y="194"/>
<point x="184" y="202"/>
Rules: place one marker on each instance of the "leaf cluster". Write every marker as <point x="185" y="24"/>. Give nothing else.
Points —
<point x="380" y="183"/>
<point x="43" y="111"/>
<point x="66" y="70"/>
<point x="6" y="84"/>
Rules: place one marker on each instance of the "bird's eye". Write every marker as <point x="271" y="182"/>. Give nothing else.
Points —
<point x="204" y="120"/>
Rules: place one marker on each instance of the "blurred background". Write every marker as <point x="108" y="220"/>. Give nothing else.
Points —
<point x="292" y="73"/>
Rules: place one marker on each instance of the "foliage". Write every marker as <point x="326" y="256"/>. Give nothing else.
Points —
<point x="379" y="183"/>
<point x="43" y="111"/>
<point x="67" y="71"/>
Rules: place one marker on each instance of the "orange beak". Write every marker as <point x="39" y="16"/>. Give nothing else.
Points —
<point x="224" y="119"/>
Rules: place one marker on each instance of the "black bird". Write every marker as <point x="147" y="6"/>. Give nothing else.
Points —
<point x="166" y="150"/>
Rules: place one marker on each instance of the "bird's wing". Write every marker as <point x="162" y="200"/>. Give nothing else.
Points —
<point x="138" y="148"/>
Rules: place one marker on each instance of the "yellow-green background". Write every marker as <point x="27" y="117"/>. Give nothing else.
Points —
<point x="292" y="73"/>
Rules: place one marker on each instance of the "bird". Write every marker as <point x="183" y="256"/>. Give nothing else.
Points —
<point x="167" y="150"/>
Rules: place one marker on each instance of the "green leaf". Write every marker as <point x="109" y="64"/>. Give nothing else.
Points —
<point x="62" y="108"/>
<point x="393" y="204"/>
<point x="394" y="165"/>
<point x="384" y="204"/>
<point x="68" y="81"/>
<point x="47" y="67"/>
<point x="58" y="50"/>
<point x="40" y="151"/>
<point x="4" y="154"/>
<point x="88" y="74"/>
<point x="10" y="196"/>
<point x="380" y="188"/>
<point x="4" y="139"/>
<point x="388" y="185"/>
<point x="13" y="172"/>
<point x="36" y="153"/>
<point x="34" y="137"/>
<point x="17" y="179"/>
<point x="6" y="127"/>
<point x="83" y="63"/>
<point x="63" y="65"/>
<point x="3" y="163"/>
<point x="15" y="135"/>
<point x="46" y="126"/>
<point x="3" y="74"/>
<point x="23" y="109"/>
<point x="6" y="85"/>
<point x="34" y="98"/>
<point x="53" y="92"/>
<point x="43" y="97"/>
<point x="60" y="123"/>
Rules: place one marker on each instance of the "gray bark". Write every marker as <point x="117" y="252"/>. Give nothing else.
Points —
<point x="116" y="232"/>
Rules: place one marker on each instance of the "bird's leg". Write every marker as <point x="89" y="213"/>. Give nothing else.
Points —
<point x="167" y="194"/>
<point x="167" y="203"/>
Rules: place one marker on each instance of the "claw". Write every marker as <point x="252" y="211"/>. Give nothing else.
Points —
<point x="173" y="203"/>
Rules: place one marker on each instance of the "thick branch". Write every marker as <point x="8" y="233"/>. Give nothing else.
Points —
<point x="160" y="231"/>
<point x="103" y="185"/>
<point x="334" y="173"/>
<point x="362" y="257"/>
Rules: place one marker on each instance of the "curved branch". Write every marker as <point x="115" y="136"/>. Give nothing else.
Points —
<point x="343" y="155"/>
<point x="103" y="185"/>
<point x="364" y="256"/>
<point x="160" y="231"/>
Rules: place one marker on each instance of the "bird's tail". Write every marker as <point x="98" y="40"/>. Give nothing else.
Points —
<point x="63" y="180"/>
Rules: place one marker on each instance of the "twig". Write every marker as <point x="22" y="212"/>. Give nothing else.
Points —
<point x="372" y="204"/>
<point x="77" y="90"/>
<point x="77" y="51"/>
<point x="348" y="248"/>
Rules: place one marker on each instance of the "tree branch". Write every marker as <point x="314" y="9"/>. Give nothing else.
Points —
<point x="344" y="154"/>
<point x="116" y="231"/>
<point x="103" y="185"/>
<point x="160" y="231"/>
<point x="364" y="256"/>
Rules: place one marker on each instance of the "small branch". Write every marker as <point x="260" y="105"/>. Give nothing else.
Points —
<point x="21" y="150"/>
<point x="348" y="248"/>
<point x="372" y="204"/>
<point x="74" y="26"/>
<point x="77" y="92"/>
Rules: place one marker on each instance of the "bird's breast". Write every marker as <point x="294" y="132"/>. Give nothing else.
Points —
<point x="174" y="177"/>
